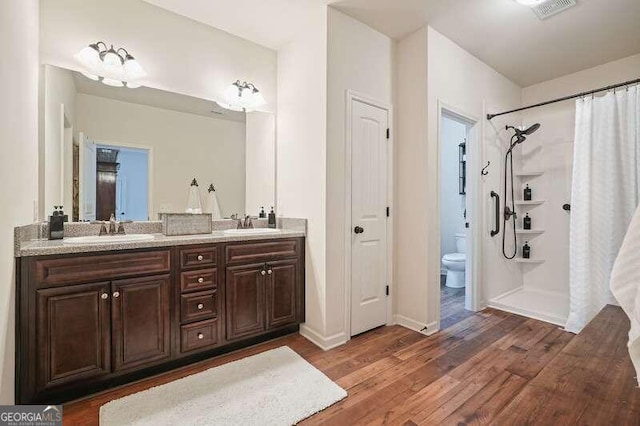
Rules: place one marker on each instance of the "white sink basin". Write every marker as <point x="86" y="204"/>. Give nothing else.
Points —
<point x="108" y="239"/>
<point x="252" y="231"/>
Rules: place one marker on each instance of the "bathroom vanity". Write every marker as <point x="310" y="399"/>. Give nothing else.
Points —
<point x="89" y="319"/>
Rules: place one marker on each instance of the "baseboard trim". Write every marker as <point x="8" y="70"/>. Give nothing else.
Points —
<point x="324" y="343"/>
<point x="426" y="329"/>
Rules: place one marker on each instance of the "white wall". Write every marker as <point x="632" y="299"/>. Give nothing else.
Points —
<point x="359" y="59"/>
<point x="180" y="55"/>
<point x="260" y="162"/>
<point x="432" y="70"/>
<point x="184" y="146"/>
<point x="452" y="203"/>
<point x="59" y="102"/>
<point x="301" y="153"/>
<point x="411" y="174"/>
<point x="551" y="149"/>
<point x="18" y="171"/>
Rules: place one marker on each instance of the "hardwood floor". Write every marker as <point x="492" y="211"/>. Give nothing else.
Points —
<point x="452" y="308"/>
<point x="490" y="368"/>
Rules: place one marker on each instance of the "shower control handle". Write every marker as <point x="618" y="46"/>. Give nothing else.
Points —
<point x="496" y="231"/>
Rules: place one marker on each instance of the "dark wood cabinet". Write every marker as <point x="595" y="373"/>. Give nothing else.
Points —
<point x="90" y="321"/>
<point x="245" y="300"/>
<point x="281" y="291"/>
<point x="141" y="321"/>
<point x="73" y="334"/>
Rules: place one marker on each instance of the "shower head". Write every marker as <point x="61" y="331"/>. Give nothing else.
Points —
<point x="521" y="135"/>
<point x="531" y="129"/>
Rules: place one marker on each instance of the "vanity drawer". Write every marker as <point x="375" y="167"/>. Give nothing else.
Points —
<point x="200" y="279"/>
<point x="258" y="252"/>
<point x="82" y="269"/>
<point x="198" y="335"/>
<point x="194" y="306"/>
<point x="200" y="256"/>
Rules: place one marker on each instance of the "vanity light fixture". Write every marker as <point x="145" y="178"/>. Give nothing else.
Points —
<point x="113" y="67"/>
<point x="242" y="96"/>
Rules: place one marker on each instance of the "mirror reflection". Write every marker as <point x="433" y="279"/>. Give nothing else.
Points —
<point x="135" y="152"/>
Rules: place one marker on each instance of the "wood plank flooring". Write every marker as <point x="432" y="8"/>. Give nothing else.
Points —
<point x="451" y="305"/>
<point x="489" y="368"/>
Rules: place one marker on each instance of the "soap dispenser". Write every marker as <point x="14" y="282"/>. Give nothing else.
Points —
<point x="56" y="223"/>
<point x="527" y="193"/>
<point x="262" y="214"/>
<point x="526" y="222"/>
<point x="526" y="250"/>
<point x="272" y="219"/>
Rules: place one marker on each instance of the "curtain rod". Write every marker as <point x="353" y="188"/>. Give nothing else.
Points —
<point x="566" y="98"/>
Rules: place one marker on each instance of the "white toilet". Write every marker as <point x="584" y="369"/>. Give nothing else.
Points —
<point x="455" y="263"/>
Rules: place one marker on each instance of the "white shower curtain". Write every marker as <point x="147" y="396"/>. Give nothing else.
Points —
<point x="604" y="195"/>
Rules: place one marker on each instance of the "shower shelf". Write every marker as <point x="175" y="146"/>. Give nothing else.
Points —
<point x="529" y="231"/>
<point x="533" y="261"/>
<point x="529" y="203"/>
<point x="528" y="173"/>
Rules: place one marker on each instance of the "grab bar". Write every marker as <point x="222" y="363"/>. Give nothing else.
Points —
<point x="497" y="230"/>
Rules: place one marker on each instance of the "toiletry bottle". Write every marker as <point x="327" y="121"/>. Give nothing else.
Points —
<point x="262" y="213"/>
<point x="527" y="193"/>
<point x="526" y="250"/>
<point x="56" y="223"/>
<point x="272" y="219"/>
<point x="526" y="222"/>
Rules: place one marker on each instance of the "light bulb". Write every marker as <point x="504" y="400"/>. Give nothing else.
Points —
<point x="531" y="3"/>
<point x="132" y="69"/>
<point x="89" y="57"/>
<point x="258" y="100"/>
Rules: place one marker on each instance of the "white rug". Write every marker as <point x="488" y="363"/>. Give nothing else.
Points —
<point x="276" y="387"/>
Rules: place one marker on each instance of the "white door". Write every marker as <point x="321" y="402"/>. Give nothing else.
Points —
<point x="88" y="172"/>
<point x="369" y="126"/>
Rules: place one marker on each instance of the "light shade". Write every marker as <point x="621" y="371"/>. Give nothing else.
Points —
<point x="89" y="57"/>
<point x="242" y="97"/>
<point x="113" y="67"/>
<point x="113" y="83"/>
<point x="132" y="70"/>
<point x="531" y="3"/>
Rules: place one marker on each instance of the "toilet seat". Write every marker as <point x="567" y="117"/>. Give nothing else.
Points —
<point x="454" y="257"/>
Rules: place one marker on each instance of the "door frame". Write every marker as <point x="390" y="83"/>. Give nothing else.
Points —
<point x="473" y="205"/>
<point x="351" y="96"/>
<point x="150" y="213"/>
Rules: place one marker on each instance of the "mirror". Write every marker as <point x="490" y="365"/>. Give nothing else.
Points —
<point x="135" y="152"/>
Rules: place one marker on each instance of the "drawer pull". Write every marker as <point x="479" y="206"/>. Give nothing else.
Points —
<point x="116" y="294"/>
<point x="263" y="272"/>
<point x="200" y="257"/>
<point x="201" y="280"/>
<point x="269" y="271"/>
<point x="200" y="336"/>
<point x="104" y="296"/>
<point x="200" y="306"/>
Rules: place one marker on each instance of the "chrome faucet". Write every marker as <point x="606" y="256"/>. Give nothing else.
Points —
<point x="247" y="223"/>
<point x="115" y="228"/>
<point x="112" y="224"/>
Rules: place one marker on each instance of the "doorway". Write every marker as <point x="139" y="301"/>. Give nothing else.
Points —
<point x="457" y="284"/>
<point x="368" y="183"/>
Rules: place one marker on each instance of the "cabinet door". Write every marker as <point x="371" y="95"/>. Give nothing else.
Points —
<point x="282" y="278"/>
<point x="245" y="300"/>
<point x="73" y="334"/>
<point x="141" y="321"/>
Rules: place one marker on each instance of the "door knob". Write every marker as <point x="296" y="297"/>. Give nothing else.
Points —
<point x="116" y="294"/>
<point x="358" y="229"/>
<point x="269" y="271"/>
<point x="263" y="272"/>
<point x="104" y="295"/>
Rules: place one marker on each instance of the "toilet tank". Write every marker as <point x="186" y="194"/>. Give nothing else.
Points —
<point x="461" y="242"/>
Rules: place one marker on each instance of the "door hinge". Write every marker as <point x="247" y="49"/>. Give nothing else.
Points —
<point x="388" y="133"/>
<point x="387" y="290"/>
<point x="388" y="212"/>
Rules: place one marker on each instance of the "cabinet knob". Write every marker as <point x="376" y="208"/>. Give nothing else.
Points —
<point x="116" y="294"/>
<point x="200" y="306"/>
<point x="200" y="280"/>
<point x="269" y="271"/>
<point x="200" y="336"/>
<point x="263" y="272"/>
<point x="200" y="257"/>
<point x="104" y="296"/>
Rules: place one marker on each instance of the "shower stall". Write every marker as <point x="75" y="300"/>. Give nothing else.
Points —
<point x="569" y="242"/>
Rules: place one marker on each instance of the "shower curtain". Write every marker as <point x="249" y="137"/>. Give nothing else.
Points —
<point x="604" y="195"/>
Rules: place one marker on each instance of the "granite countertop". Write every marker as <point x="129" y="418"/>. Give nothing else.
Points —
<point x="53" y="247"/>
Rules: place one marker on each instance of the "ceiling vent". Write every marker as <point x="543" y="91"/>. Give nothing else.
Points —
<point x="552" y="7"/>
